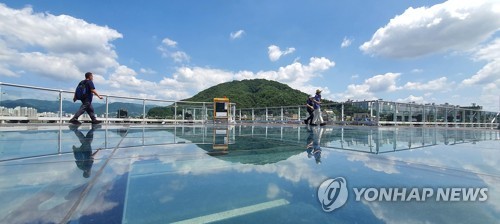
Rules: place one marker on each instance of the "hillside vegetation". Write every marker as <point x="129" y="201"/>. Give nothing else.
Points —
<point x="253" y="93"/>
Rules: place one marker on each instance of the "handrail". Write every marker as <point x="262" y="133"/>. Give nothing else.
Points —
<point x="112" y="96"/>
<point x="60" y="118"/>
<point x="380" y="111"/>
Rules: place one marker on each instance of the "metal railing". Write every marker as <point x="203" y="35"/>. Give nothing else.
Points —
<point x="376" y="113"/>
<point x="173" y="111"/>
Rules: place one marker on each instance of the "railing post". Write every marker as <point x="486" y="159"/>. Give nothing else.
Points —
<point x="446" y="116"/>
<point x="423" y="116"/>
<point x="175" y="112"/>
<point x="435" y="115"/>
<point x="370" y="105"/>
<point x="144" y="111"/>
<point x="253" y="115"/>
<point x="411" y="115"/>
<point x="107" y="110"/>
<point x="395" y="117"/>
<point x="1" y="108"/>
<point x="342" y="112"/>
<point x="60" y="107"/>
<point x="194" y="114"/>
<point x="455" y="116"/>
<point x="204" y="115"/>
<point x="266" y="115"/>
<point x="234" y="113"/>
<point x="463" y="118"/>
<point x="378" y="113"/>
<point x="282" y="114"/>
<point x="298" y="109"/>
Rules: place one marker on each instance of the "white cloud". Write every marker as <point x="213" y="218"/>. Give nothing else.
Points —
<point x="367" y="90"/>
<point x="383" y="83"/>
<point x="179" y="56"/>
<point x="199" y="78"/>
<point x="453" y="25"/>
<point x="236" y="35"/>
<point x="33" y="42"/>
<point x="295" y="74"/>
<point x="124" y="82"/>
<point x="272" y="191"/>
<point x="186" y="81"/>
<point x="168" y="42"/>
<point x="417" y="70"/>
<point x="356" y="92"/>
<point x="487" y="74"/>
<point x="412" y="98"/>
<point x="488" y="77"/>
<point x="167" y="49"/>
<point x="491" y="71"/>
<point x="346" y="42"/>
<point x="275" y="52"/>
<point x="147" y="71"/>
<point x="490" y="52"/>
<point x="386" y="166"/>
<point x="7" y="72"/>
<point x="437" y="84"/>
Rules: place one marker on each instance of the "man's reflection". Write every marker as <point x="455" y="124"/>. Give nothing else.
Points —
<point x="313" y="143"/>
<point x="84" y="158"/>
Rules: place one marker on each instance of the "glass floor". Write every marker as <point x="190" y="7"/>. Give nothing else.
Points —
<point x="247" y="174"/>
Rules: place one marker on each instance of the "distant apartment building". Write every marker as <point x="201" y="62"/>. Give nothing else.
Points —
<point x="19" y="111"/>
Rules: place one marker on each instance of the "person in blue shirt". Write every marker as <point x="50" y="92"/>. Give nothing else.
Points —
<point x="310" y="110"/>
<point x="318" y="119"/>
<point x="87" y="101"/>
<point x="84" y="158"/>
<point x="313" y="147"/>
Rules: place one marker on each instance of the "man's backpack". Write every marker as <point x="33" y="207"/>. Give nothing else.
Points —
<point x="81" y="91"/>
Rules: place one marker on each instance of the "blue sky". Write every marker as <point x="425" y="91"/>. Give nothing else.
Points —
<point x="406" y="51"/>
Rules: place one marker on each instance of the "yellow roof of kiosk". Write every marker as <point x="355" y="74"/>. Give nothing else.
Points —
<point x="225" y="99"/>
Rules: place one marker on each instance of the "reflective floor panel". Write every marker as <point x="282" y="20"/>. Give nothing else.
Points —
<point x="248" y="174"/>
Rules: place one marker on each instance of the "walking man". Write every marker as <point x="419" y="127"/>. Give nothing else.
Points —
<point x="87" y="101"/>
<point x="318" y="119"/>
<point x="84" y="158"/>
<point x="310" y="110"/>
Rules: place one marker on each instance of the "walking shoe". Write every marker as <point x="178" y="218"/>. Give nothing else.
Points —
<point x="75" y="122"/>
<point x="96" y="122"/>
<point x="305" y="122"/>
<point x="73" y="127"/>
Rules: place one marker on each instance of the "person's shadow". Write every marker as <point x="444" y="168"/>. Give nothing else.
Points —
<point x="313" y="140"/>
<point x="84" y="158"/>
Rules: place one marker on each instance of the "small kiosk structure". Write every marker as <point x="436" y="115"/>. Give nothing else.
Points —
<point x="222" y="113"/>
<point x="222" y="110"/>
<point x="221" y="139"/>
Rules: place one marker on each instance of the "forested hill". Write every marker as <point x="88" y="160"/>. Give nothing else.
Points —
<point x="253" y="93"/>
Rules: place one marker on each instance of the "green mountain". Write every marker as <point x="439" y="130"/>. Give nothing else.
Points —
<point x="253" y="93"/>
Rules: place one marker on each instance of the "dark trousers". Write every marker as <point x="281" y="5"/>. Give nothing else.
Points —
<point x="85" y="107"/>
<point x="311" y="116"/>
